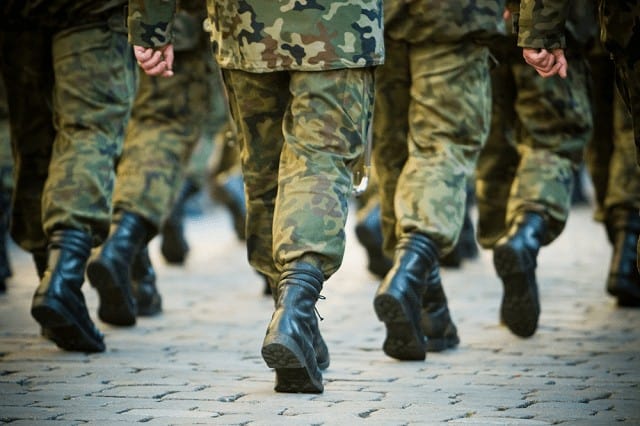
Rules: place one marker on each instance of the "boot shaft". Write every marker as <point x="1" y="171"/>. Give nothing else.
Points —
<point x="129" y="233"/>
<point x="66" y="262"/>
<point x="415" y="257"/>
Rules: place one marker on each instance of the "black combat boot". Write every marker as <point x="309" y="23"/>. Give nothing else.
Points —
<point x="398" y="301"/>
<point x="515" y="259"/>
<point x="143" y="283"/>
<point x="5" y="265"/>
<point x="436" y="322"/>
<point x="231" y="193"/>
<point x="110" y="270"/>
<point x="293" y="345"/>
<point x="58" y="303"/>
<point x="174" y="246"/>
<point x="623" y="227"/>
<point x="369" y="234"/>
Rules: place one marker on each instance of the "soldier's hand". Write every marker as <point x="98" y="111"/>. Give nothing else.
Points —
<point x="546" y="63"/>
<point x="155" y="62"/>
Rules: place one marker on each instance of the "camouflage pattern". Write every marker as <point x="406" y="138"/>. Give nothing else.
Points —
<point x="432" y="116"/>
<point x="166" y="123"/>
<point x="541" y="25"/>
<point x="298" y="183"/>
<point x="89" y="111"/>
<point x="78" y="191"/>
<point x="264" y="36"/>
<point x="610" y="155"/>
<point x="259" y="36"/>
<point x="538" y="133"/>
<point x="441" y="21"/>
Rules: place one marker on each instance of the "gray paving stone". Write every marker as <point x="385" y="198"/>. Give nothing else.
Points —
<point x="199" y="362"/>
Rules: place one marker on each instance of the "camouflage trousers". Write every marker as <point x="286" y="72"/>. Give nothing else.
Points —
<point x="80" y="82"/>
<point x="301" y="134"/>
<point x="621" y="32"/>
<point x="167" y="121"/>
<point x="539" y="129"/>
<point x="432" y="117"/>
<point x="610" y="154"/>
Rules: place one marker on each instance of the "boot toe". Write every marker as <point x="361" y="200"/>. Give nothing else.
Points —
<point x="69" y="331"/>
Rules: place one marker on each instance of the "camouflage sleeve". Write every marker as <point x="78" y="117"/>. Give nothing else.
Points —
<point x="150" y="22"/>
<point x="541" y="23"/>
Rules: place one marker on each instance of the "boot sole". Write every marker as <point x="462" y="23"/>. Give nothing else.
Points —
<point x="62" y="327"/>
<point x="439" y="344"/>
<point x="404" y="340"/>
<point x="293" y="375"/>
<point x="117" y="305"/>
<point x="520" y="308"/>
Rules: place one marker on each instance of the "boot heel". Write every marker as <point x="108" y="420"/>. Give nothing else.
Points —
<point x="404" y="341"/>
<point x="117" y="305"/>
<point x="61" y="327"/>
<point x="293" y="374"/>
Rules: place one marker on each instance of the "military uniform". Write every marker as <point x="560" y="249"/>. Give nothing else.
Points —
<point x="300" y="83"/>
<point x="538" y="132"/>
<point x="71" y="78"/>
<point x="432" y="116"/>
<point x="541" y="26"/>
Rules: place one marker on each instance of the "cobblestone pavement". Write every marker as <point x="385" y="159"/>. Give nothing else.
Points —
<point x="199" y="362"/>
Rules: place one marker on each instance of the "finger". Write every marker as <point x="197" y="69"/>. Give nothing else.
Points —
<point x="550" y="72"/>
<point x="142" y="54"/>
<point x="159" y="69"/>
<point x="562" y="72"/>
<point x="152" y="62"/>
<point x="168" y="56"/>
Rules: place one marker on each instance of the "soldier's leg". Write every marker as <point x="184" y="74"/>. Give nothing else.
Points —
<point x="556" y="124"/>
<point x="390" y="132"/>
<point x="621" y="207"/>
<point x="447" y="129"/>
<point x="93" y="93"/>
<point x="28" y="71"/>
<point x="600" y="148"/>
<point x="498" y="160"/>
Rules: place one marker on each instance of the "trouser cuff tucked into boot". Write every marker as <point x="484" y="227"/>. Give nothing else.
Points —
<point x="623" y="282"/>
<point x="58" y="304"/>
<point x="293" y="345"/>
<point x="515" y="261"/>
<point x="398" y="300"/>
<point x="110" y="271"/>
<point x="436" y="321"/>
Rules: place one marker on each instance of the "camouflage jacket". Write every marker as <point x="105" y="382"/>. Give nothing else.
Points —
<point x="443" y="20"/>
<point x="56" y="14"/>
<point x="265" y="36"/>
<point x="542" y="23"/>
